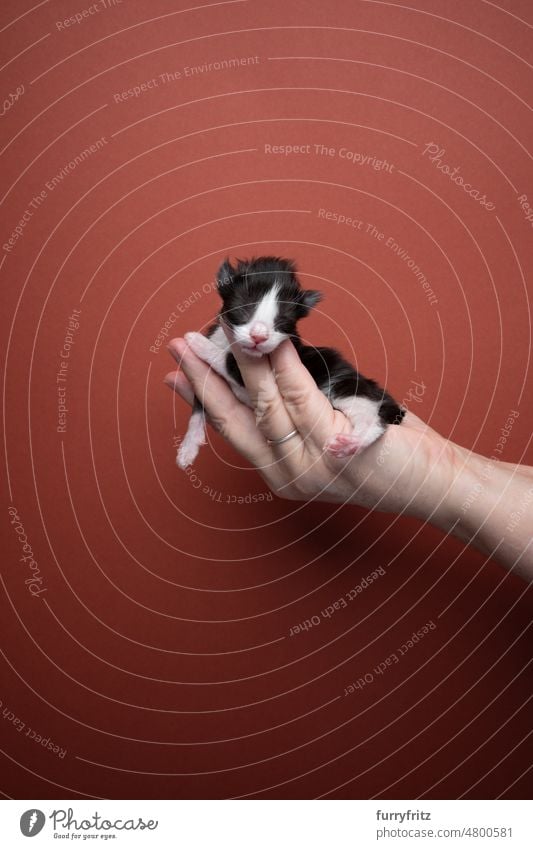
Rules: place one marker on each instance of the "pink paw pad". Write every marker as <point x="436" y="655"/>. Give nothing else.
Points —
<point x="343" y="445"/>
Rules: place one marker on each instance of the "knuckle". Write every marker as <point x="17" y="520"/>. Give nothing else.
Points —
<point x="287" y="494"/>
<point x="265" y="408"/>
<point x="295" y="397"/>
<point x="304" y="494"/>
<point x="306" y="487"/>
<point x="220" y="424"/>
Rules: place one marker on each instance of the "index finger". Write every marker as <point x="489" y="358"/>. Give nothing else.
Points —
<point x="231" y="418"/>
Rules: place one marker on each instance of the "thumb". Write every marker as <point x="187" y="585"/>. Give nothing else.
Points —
<point x="308" y="407"/>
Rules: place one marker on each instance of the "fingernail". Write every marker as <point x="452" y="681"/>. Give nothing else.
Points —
<point x="170" y="380"/>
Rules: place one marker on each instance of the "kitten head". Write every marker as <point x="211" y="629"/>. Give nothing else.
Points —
<point x="262" y="301"/>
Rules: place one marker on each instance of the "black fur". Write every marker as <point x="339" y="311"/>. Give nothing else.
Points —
<point x="242" y="287"/>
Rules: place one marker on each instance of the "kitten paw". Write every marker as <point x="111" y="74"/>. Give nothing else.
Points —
<point x="186" y="456"/>
<point x="343" y="445"/>
<point x="189" y="448"/>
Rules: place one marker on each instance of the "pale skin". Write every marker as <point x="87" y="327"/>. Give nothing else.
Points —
<point x="411" y="469"/>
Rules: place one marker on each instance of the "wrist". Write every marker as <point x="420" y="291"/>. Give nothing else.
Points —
<point x="475" y="503"/>
<point x="453" y="484"/>
<point x="463" y="488"/>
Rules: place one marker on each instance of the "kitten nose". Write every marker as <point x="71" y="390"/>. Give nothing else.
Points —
<point x="259" y="332"/>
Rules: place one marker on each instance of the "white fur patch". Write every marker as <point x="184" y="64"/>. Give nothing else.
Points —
<point x="363" y="414"/>
<point x="218" y="338"/>
<point x="195" y="436"/>
<point x="265" y="314"/>
<point x="213" y="350"/>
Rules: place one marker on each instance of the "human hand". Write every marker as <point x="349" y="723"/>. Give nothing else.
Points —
<point x="406" y="469"/>
<point x="411" y="469"/>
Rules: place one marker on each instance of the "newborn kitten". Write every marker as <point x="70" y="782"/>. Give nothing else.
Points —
<point x="262" y="301"/>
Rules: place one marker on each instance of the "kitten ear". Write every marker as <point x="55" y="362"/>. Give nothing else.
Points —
<point x="310" y="298"/>
<point x="225" y="274"/>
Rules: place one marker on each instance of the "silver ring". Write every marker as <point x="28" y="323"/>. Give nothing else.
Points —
<point x="282" y="438"/>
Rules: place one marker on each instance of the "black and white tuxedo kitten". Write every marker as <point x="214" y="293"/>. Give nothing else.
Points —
<point x="262" y="301"/>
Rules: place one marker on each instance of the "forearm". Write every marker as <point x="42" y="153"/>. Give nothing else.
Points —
<point x="490" y="505"/>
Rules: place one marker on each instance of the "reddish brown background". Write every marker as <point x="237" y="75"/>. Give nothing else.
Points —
<point x="159" y="656"/>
